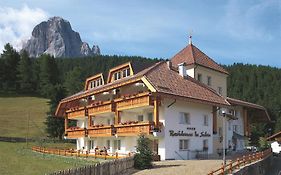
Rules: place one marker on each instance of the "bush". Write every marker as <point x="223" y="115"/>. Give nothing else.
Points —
<point x="143" y="158"/>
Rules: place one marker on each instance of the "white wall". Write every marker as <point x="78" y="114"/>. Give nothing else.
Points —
<point x="170" y="144"/>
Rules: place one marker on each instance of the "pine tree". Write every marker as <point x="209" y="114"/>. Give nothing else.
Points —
<point x="48" y="75"/>
<point x="25" y="73"/>
<point x="10" y="59"/>
<point x="143" y="158"/>
<point x="73" y="81"/>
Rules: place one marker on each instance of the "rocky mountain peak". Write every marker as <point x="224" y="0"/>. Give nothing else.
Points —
<point x="56" y="37"/>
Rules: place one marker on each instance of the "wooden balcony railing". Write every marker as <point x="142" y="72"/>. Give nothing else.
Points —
<point x="104" y="131"/>
<point x="133" y="101"/>
<point x="134" y="129"/>
<point x="76" y="133"/>
<point x="103" y="107"/>
<point x="76" y="113"/>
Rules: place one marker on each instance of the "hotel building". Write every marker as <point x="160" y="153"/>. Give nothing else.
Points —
<point x="178" y="104"/>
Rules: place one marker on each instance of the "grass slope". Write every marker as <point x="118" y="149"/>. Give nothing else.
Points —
<point x="14" y="112"/>
<point x="16" y="159"/>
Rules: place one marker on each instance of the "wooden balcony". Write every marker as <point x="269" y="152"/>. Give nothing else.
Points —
<point x="76" y="113"/>
<point x="134" y="129"/>
<point x="104" y="131"/>
<point x="133" y="101"/>
<point x="76" y="133"/>
<point x="100" y="108"/>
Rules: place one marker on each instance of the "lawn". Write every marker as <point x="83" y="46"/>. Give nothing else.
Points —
<point x="14" y="114"/>
<point x="16" y="159"/>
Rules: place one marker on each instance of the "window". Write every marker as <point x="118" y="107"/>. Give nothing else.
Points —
<point x="206" y="122"/>
<point x="229" y="125"/>
<point x="140" y="118"/>
<point x="92" y="144"/>
<point x="150" y="117"/>
<point x="108" y="121"/>
<point x="117" y="144"/>
<point x="184" y="118"/>
<point x="128" y="72"/>
<point x="108" y="144"/>
<point x="199" y="77"/>
<point x="115" y="76"/>
<point x="205" y="144"/>
<point x="220" y="131"/>
<point x="124" y="73"/>
<point x="209" y="81"/>
<point x="183" y="144"/>
<point x="235" y="128"/>
<point x="92" y="121"/>
<point x="220" y="90"/>
<point x="118" y="75"/>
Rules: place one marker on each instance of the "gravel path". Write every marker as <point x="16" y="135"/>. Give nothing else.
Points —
<point x="178" y="167"/>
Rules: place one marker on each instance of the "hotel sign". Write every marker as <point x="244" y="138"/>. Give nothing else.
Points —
<point x="192" y="133"/>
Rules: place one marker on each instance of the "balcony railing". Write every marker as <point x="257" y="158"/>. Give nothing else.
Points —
<point x="101" y="131"/>
<point x="76" y="113"/>
<point x="76" y="133"/>
<point x="133" y="101"/>
<point x="134" y="129"/>
<point x="99" y="108"/>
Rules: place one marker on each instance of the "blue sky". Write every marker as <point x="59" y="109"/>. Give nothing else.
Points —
<point x="228" y="31"/>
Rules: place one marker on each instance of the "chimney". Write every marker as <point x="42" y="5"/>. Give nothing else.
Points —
<point x="182" y="69"/>
<point x="169" y="64"/>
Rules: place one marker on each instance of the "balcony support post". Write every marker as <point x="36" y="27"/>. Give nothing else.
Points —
<point x="156" y="112"/>
<point x="117" y="118"/>
<point x="65" y="123"/>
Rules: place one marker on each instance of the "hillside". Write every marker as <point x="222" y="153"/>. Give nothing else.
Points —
<point x="14" y="112"/>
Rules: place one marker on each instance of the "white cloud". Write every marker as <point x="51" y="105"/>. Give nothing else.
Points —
<point x="249" y="20"/>
<point x="16" y="24"/>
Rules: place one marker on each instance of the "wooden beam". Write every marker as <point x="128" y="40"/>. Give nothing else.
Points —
<point x="117" y="117"/>
<point x="215" y="119"/>
<point x="65" y="123"/>
<point x="156" y="112"/>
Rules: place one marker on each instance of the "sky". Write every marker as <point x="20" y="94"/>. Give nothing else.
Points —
<point x="228" y="31"/>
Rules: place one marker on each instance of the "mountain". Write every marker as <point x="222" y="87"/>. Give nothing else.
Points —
<point x="56" y="37"/>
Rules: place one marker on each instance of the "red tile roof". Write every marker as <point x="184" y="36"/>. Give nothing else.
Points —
<point x="168" y="81"/>
<point x="192" y="55"/>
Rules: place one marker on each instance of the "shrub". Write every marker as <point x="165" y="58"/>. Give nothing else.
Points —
<point x="143" y="158"/>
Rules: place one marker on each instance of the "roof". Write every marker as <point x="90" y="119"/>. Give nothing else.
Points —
<point x="192" y="55"/>
<point x="272" y="137"/>
<point x="166" y="81"/>
<point x="234" y="101"/>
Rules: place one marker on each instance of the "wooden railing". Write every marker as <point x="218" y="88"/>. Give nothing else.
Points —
<point x="71" y="152"/>
<point x="103" y="107"/>
<point x="134" y="101"/>
<point x="240" y="162"/>
<point x="103" y="131"/>
<point x="134" y="129"/>
<point x="76" y="133"/>
<point x="72" y="114"/>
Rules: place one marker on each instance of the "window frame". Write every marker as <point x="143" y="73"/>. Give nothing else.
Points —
<point x="184" y="118"/>
<point x="183" y="144"/>
<point x="209" y="80"/>
<point x="205" y="120"/>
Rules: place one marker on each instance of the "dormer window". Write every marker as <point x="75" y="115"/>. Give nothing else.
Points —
<point x="126" y="72"/>
<point x="120" y="72"/>
<point x="94" y="81"/>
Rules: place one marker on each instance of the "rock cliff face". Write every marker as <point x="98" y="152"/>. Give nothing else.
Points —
<point x="56" y="37"/>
